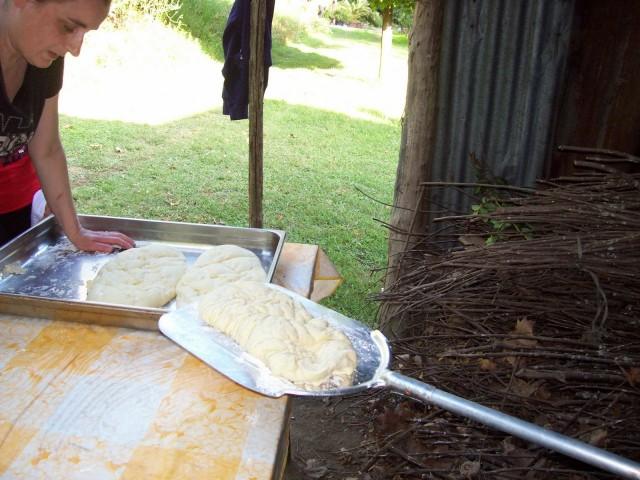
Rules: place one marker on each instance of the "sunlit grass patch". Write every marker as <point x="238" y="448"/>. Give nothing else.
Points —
<point x="195" y="170"/>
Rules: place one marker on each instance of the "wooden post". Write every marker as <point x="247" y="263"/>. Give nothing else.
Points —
<point x="256" y="94"/>
<point x="417" y="144"/>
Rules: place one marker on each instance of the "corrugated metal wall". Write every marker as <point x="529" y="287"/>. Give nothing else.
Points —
<point x="502" y="63"/>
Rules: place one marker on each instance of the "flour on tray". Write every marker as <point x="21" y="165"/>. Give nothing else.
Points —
<point x="13" y="268"/>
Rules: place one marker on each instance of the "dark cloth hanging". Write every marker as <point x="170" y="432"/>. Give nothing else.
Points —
<point x="235" y="42"/>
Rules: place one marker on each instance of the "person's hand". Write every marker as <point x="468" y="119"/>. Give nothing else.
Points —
<point x="106" y="242"/>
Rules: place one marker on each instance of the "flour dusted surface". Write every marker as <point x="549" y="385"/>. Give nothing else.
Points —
<point x="143" y="277"/>
<point x="277" y="330"/>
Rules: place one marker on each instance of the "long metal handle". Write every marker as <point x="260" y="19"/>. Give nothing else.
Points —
<point x="560" y="443"/>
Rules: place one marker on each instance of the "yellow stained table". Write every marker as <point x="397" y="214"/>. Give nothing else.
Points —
<point x="88" y="402"/>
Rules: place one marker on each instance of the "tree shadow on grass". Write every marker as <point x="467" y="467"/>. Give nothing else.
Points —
<point x="205" y="20"/>
<point x="285" y="56"/>
<point x="400" y="40"/>
<point x="356" y="34"/>
<point x="311" y="41"/>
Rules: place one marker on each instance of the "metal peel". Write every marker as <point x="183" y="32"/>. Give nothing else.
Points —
<point x="215" y="349"/>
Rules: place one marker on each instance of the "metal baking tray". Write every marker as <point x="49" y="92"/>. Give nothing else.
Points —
<point x="43" y="275"/>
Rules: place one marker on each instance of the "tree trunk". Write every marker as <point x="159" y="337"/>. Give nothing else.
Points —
<point x="386" y="40"/>
<point x="417" y="145"/>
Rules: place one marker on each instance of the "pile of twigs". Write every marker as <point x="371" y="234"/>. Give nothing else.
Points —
<point x="531" y="305"/>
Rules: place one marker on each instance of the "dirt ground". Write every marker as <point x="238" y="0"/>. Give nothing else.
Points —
<point x="324" y="432"/>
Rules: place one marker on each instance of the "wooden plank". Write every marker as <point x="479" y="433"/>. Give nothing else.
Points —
<point x="326" y="278"/>
<point x="256" y="94"/>
<point x="80" y="401"/>
<point x="295" y="268"/>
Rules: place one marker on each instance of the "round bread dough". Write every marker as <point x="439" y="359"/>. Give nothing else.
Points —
<point x="277" y="330"/>
<point x="222" y="263"/>
<point x="143" y="277"/>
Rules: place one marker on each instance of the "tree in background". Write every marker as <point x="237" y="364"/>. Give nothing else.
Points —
<point x="166" y="11"/>
<point x="386" y="9"/>
<point x="350" y="12"/>
<point x="380" y="13"/>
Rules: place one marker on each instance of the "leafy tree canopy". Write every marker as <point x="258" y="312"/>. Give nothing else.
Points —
<point x="384" y="4"/>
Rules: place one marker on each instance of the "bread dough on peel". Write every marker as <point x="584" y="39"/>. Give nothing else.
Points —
<point x="143" y="277"/>
<point x="277" y="330"/>
<point x="222" y="263"/>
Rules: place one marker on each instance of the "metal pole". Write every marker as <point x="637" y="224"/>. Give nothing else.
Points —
<point x="492" y="418"/>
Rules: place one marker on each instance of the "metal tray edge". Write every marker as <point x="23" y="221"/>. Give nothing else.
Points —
<point x="81" y="312"/>
<point x="95" y="313"/>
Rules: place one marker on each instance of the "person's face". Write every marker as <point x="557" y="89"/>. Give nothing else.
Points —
<point x="48" y="30"/>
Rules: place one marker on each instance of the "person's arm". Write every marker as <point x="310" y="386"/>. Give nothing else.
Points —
<point x="47" y="154"/>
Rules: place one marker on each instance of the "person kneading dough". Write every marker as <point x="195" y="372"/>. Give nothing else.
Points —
<point x="142" y="277"/>
<point x="277" y="330"/>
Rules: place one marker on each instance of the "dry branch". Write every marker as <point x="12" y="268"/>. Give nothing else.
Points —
<point x="531" y="306"/>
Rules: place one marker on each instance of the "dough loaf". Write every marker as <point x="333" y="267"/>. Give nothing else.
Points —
<point x="277" y="330"/>
<point x="218" y="265"/>
<point x="143" y="277"/>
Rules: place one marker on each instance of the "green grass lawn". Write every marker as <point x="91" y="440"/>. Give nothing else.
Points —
<point x="195" y="170"/>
